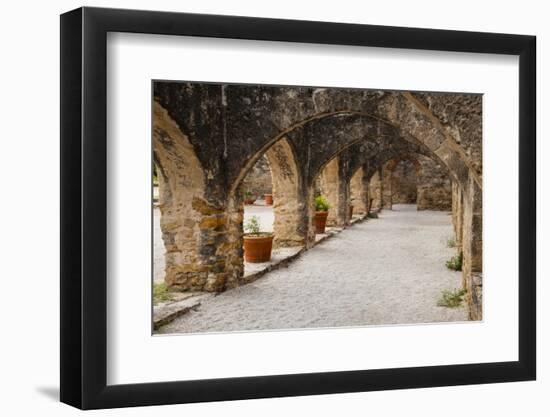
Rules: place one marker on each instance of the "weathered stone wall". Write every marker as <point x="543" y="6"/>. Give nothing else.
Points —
<point x="386" y="185"/>
<point x="404" y="183"/>
<point x="375" y="191"/>
<point x="359" y="192"/>
<point x="434" y="186"/>
<point x="258" y="181"/>
<point x="329" y="182"/>
<point x="458" y="214"/>
<point x="290" y="225"/>
<point x="207" y="137"/>
<point x="472" y="248"/>
<point x="194" y="231"/>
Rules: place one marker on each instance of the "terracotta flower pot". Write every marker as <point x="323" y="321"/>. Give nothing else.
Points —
<point x="350" y="211"/>
<point x="268" y="198"/>
<point x="249" y="201"/>
<point x="320" y="221"/>
<point x="257" y="248"/>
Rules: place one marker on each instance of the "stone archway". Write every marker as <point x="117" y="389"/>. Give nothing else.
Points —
<point x="359" y="192"/>
<point x="290" y="226"/>
<point x="191" y="226"/>
<point x="388" y="178"/>
<point x="221" y="128"/>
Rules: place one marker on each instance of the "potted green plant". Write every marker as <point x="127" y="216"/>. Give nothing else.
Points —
<point x="268" y="198"/>
<point x="321" y="213"/>
<point x="248" y="197"/>
<point x="257" y="244"/>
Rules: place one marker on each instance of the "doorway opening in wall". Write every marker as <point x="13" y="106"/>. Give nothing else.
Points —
<point x="404" y="185"/>
<point x="284" y="207"/>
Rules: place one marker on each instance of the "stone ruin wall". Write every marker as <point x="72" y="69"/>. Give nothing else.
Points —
<point x="258" y="180"/>
<point x="434" y="187"/>
<point x="404" y="183"/>
<point x="204" y="246"/>
<point x="375" y="191"/>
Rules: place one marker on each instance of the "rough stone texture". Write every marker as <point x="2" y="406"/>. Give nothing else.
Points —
<point x="330" y="189"/>
<point x="191" y="258"/>
<point x="429" y="186"/>
<point x="460" y="115"/>
<point x="404" y="182"/>
<point x="207" y="137"/>
<point x="386" y="184"/>
<point x="258" y="180"/>
<point x="434" y="186"/>
<point x="359" y="192"/>
<point x="291" y="226"/>
<point x="375" y="191"/>
<point x="472" y="247"/>
<point x="457" y="210"/>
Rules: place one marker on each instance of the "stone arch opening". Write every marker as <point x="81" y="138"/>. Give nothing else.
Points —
<point x="359" y="193"/>
<point x="400" y="181"/>
<point x="228" y="125"/>
<point x="285" y="217"/>
<point x="187" y="221"/>
<point x="404" y="183"/>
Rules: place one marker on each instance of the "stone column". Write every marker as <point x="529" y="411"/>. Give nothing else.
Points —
<point x="472" y="247"/>
<point x="359" y="192"/>
<point x="457" y="214"/>
<point x="434" y="186"/>
<point x="405" y="182"/>
<point x="289" y="197"/>
<point x="386" y="181"/>
<point x="332" y="190"/>
<point x="375" y="191"/>
<point x="203" y="252"/>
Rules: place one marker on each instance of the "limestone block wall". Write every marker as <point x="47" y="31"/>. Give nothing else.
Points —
<point x="375" y="191"/>
<point x="359" y="192"/>
<point x="329" y="183"/>
<point x="404" y="183"/>
<point x="472" y="249"/>
<point x="207" y="137"/>
<point x="289" y="197"/>
<point x="434" y="186"/>
<point x="457" y="210"/>
<point x="386" y="186"/>
<point x="194" y="230"/>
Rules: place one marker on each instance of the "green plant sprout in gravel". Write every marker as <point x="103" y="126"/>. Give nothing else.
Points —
<point x="451" y="298"/>
<point x="161" y="293"/>
<point x="252" y="226"/>
<point x="451" y="242"/>
<point x="455" y="263"/>
<point x="321" y="203"/>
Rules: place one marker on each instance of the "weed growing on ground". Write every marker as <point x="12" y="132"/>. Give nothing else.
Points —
<point x="451" y="242"/>
<point x="161" y="293"/>
<point x="451" y="298"/>
<point x="455" y="263"/>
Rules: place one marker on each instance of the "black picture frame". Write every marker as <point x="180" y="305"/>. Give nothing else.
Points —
<point x="84" y="207"/>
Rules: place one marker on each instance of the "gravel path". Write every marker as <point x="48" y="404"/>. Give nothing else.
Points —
<point x="389" y="270"/>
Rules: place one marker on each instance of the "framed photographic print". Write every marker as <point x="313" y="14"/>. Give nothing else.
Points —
<point x="256" y="208"/>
